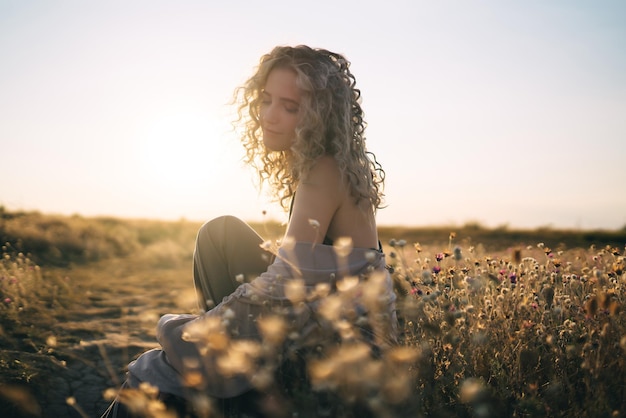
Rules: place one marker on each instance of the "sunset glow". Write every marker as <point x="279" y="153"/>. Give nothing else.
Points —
<point x="489" y="112"/>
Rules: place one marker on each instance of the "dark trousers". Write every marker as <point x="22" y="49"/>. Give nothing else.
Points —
<point x="228" y="251"/>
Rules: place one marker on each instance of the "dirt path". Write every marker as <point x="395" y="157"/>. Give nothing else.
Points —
<point x="113" y="323"/>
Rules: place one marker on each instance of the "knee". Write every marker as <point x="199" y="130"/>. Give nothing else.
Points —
<point x="219" y="225"/>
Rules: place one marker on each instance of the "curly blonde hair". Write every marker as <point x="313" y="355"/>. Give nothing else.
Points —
<point x="330" y="122"/>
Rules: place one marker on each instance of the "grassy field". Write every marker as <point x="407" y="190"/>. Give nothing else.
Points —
<point x="495" y="322"/>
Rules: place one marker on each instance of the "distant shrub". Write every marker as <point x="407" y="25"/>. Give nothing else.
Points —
<point x="165" y="253"/>
<point x="60" y="241"/>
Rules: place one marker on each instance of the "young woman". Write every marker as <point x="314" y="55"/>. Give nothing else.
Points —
<point x="303" y="131"/>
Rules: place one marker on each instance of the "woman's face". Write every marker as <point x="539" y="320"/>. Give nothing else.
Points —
<point x="280" y="105"/>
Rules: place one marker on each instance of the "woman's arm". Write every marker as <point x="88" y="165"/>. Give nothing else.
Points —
<point x="317" y="199"/>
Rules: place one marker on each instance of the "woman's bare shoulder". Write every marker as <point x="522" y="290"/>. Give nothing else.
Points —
<point x="324" y="169"/>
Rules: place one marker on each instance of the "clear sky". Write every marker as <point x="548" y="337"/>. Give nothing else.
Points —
<point x="497" y="112"/>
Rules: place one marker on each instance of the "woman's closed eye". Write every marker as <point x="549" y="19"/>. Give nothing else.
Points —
<point x="290" y="106"/>
<point x="292" y="109"/>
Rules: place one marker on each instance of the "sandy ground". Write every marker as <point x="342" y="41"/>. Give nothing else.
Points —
<point x="112" y="322"/>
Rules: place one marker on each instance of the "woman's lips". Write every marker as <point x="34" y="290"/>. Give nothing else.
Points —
<point x="269" y="131"/>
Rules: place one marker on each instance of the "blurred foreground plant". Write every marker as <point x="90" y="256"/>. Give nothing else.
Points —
<point x="525" y="332"/>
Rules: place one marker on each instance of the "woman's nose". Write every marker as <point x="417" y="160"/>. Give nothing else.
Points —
<point x="269" y="114"/>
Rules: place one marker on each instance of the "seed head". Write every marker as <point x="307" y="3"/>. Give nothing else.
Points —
<point x="343" y="246"/>
<point x="295" y="290"/>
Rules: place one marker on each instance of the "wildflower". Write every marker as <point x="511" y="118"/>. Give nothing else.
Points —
<point x="347" y="283"/>
<point x="7" y="301"/>
<point x="436" y="269"/>
<point x="239" y="358"/>
<point x="439" y="256"/>
<point x="330" y="308"/>
<point x="548" y="295"/>
<point x="343" y="246"/>
<point x="345" y="329"/>
<point x="591" y="307"/>
<point x="261" y="380"/>
<point x="273" y="328"/>
<point x="322" y="372"/>
<point x="427" y="277"/>
<point x="229" y="314"/>
<point x="472" y="390"/>
<point x="109" y="394"/>
<point x="51" y="341"/>
<point x="314" y="223"/>
<point x="403" y="355"/>
<point x="295" y="290"/>
<point x="193" y="379"/>
<point x="322" y="289"/>
<point x="513" y="278"/>
<point x="150" y="390"/>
